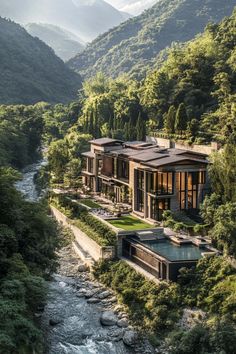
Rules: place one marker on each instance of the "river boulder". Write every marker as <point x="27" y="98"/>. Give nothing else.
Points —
<point x="123" y="323"/>
<point x="93" y="300"/>
<point x="55" y="321"/>
<point x="104" y="295"/>
<point x="82" y="268"/>
<point x="108" y="318"/>
<point x="130" y="338"/>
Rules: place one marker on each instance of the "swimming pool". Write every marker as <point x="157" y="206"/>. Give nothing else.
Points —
<point x="174" y="252"/>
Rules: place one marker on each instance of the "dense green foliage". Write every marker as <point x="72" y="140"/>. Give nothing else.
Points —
<point x="219" y="338"/>
<point x="21" y="129"/>
<point x="157" y="308"/>
<point x="86" y="222"/>
<point x="112" y="108"/>
<point x="190" y="96"/>
<point x="134" y="46"/>
<point x="219" y="209"/>
<point x="30" y="70"/>
<point x="151" y="306"/>
<point x="201" y="76"/>
<point x="28" y="240"/>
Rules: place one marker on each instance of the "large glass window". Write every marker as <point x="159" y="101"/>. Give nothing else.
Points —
<point x="140" y="200"/>
<point x="202" y="177"/>
<point x="107" y="166"/>
<point x="139" y="175"/>
<point x="158" y="206"/>
<point x="123" y="169"/>
<point x="161" y="183"/>
<point x="140" y="179"/>
<point x="90" y="165"/>
<point x="189" y="189"/>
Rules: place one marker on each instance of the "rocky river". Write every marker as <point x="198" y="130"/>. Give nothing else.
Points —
<point x="81" y="316"/>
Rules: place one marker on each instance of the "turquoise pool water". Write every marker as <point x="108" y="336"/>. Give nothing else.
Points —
<point x="174" y="252"/>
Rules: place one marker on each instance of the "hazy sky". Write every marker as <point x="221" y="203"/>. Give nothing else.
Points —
<point x="134" y="7"/>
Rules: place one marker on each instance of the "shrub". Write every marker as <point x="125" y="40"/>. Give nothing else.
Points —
<point x="152" y="307"/>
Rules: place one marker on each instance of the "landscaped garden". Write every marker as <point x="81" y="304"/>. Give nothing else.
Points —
<point x="80" y="217"/>
<point x="90" y="203"/>
<point x="129" y="223"/>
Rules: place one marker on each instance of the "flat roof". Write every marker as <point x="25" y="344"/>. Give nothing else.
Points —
<point x="174" y="159"/>
<point x="149" y="154"/>
<point x="89" y="154"/>
<point x="146" y="156"/>
<point x="127" y="152"/>
<point x="105" y="141"/>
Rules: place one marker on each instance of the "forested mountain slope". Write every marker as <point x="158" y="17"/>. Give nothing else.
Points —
<point x="30" y="71"/>
<point x="86" y="18"/>
<point x="135" y="44"/>
<point x="65" y="44"/>
<point x="201" y="76"/>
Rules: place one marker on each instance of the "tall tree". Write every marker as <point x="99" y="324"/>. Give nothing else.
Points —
<point x="141" y="128"/>
<point x="169" y="123"/>
<point x="181" y="119"/>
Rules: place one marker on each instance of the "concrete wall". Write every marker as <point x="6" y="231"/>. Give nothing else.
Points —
<point x="86" y="243"/>
<point x="167" y="143"/>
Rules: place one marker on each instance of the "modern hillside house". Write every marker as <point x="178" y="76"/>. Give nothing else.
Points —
<point x="149" y="177"/>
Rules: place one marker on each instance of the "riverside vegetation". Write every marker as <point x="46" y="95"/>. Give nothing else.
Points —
<point x="28" y="242"/>
<point x="29" y="239"/>
<point x="156" y="309"/>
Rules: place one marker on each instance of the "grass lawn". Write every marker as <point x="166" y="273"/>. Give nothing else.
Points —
<point x="130" y="223"/>
<point x="90" y="203"/>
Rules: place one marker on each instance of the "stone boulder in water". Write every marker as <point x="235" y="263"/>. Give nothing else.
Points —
<point x="55" y="321"/>
<point x="108" y="318"/>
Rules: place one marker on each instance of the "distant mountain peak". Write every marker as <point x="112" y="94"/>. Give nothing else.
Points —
<point x="86" y="18"/>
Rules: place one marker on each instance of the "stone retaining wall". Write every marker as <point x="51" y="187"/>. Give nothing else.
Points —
<point x="86" y="243"/>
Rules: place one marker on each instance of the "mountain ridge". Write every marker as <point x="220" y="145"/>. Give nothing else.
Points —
<point x="87" y="19"/>
<point x="30" y="70"/>
<point x="64" y="43"/>
<point x="136" y="43"/>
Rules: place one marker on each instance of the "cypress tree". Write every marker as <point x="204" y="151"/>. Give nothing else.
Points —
<point x="90" y="124"/>
<point x="169" y="123"/>
<point x="181" y="119"/>
<point x="86" y="123"/>
<point x="126" y="132"/>
<point x="131" y="134"/>
<point x="140" y="128"/>
<point x="97" y="133"/>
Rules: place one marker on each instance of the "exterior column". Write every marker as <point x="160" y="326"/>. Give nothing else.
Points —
<point x="161" y="271"/>
<point x="145" y="196"/>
